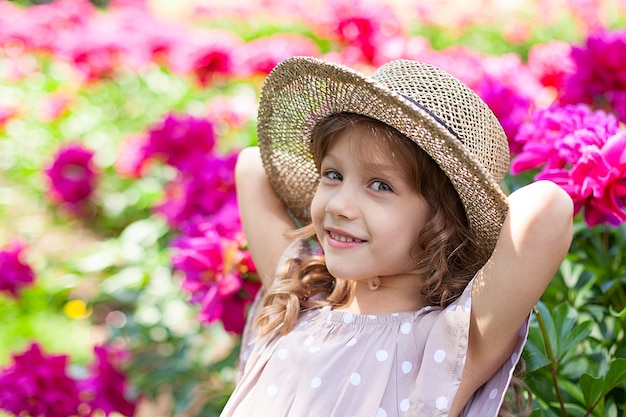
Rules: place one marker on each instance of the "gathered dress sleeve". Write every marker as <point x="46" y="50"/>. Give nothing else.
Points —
<point x="442" y="364"/>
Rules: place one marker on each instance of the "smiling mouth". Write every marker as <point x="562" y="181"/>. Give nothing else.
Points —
<point x="343" y="238"/>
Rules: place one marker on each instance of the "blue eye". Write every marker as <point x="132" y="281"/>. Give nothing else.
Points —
<point x="333" y="175"/>
<point x="381" y="186"/>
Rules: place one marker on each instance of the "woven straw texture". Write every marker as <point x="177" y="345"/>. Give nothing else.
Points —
<point x="439" y="113"/>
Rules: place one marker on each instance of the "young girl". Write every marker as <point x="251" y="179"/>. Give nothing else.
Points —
<point x="397" y="277"/>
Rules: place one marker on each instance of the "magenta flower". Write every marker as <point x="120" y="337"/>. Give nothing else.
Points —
<point x="600" y="70"/>
<point x="181" y="141"/>
<point x="202" y="192"/>
<point x="544" y="135"/>
<point x="217" y="271"/>
<point x="510" y="107"/>
<point x="106" y="388"/>
<point x="38" y="385"/>
<point x="72" y="177"/>
<point x="584" y="152"/>
<point x="14" y="272"/>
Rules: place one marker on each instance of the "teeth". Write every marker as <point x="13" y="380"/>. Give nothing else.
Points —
<point x="343" y="238"/>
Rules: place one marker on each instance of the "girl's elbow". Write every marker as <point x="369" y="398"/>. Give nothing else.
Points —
<point x="557" y="213"/>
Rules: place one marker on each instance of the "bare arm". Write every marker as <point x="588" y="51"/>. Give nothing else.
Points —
<point x="263" y="216"/>
<point x="534" y="240"/>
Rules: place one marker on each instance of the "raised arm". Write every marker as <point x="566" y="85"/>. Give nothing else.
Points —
<point x="533" y="242"/>
<point x="263" y="216"/>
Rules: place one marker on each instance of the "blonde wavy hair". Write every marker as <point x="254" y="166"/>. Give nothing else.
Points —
<point x="445" y="245"/>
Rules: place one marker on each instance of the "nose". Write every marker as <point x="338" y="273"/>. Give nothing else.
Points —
<point x="343" y="202"/>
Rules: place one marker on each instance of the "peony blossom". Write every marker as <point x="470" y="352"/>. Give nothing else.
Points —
<point x="71" y="177"/>
<point x="551" y="63"/>
<point x="365" y="31"/>
<point x="15" y="274"/>
<point x="216" y="268"/>
<point x="181" y="141"/>
<point x="202" y="192"/>
<point x="208" y="55"/>
<point x="509" y="106"/>
<point x="600" y="72"/>
<point x="106" y="387"/>
<point x="261" y="55"/>
<point x="584" y="152"/>
<point x="37" y="384"/>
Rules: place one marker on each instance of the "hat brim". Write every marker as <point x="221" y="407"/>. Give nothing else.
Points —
<point x="301" y="91"/>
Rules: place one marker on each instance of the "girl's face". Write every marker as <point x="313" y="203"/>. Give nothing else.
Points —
<point x="367" y="216"/>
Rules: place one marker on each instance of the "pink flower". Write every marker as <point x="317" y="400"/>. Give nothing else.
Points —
<point x="543" y="136"/>
<point x="510" y="107"/>
<point x="551" y="63"/>
<point x="208" y="55"/>
<point x="584" y="152"/>
<point x="600" y="69"/>
<point x="106" y="387"/>
<point x="6" y="114"/>
<point x="364" y="30"/>
<point x="14" y="272"/>
<point x="38" y="385"/>
<point x="216" y="269"/>
<point x="202" y="191"/>
<point x="54" y="106"/>
<point x="131" y="156"/>
<point x="261" y="55"/>
<point x="72" y="177"/>
<point x="181" y="141"/>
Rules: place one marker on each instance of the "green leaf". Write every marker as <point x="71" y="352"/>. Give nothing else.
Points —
<point x="595" y="389"/>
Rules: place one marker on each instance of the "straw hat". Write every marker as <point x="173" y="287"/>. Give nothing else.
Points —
<point x="435" y="110"/>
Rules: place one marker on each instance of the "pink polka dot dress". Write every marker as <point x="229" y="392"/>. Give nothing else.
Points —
<point x="337" y="364"/>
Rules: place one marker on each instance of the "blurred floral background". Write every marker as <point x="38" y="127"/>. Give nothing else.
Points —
<point x="124" y="275"/>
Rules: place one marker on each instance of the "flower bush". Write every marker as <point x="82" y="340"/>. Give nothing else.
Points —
<point x="124" y="272"/>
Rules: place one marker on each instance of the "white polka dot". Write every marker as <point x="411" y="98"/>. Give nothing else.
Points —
<point x="355" y="379"/>
<point x="441" y="403"/>
<point x="282" y="353"/>
<point x="395" y="314"/>
<point x="514" y="358"/>
<point x="272" y="390"/>
<point x="381" y="413"/>
<point x="351" y="342"/>
<point x="348" y="318"/>
<point x="382" y="355"/>
<point x="406" y="367"/>
<point x="450" y="308"/>
<point x="371" y="317"/>
<point x="468" y="303"/>
<point x="308" y="341"/>
<point x="493" y="394"/>
<point x="440" y="355"/>
<point x="316" y="382"/>
<point x="314" y="349"/>
<point x="404" y="404"/>
<point x="405" y="328"/>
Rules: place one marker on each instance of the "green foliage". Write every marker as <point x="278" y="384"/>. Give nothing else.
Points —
<point x="576" y="352"/>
